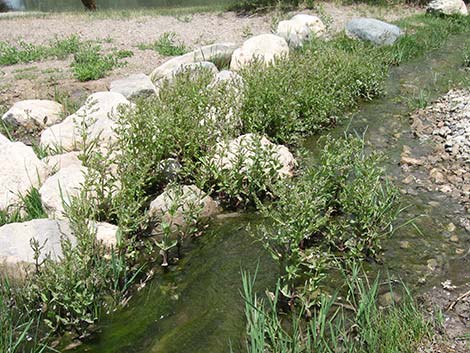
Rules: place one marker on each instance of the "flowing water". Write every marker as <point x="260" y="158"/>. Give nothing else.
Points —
<point x="71" y="5"/>
<point x="197" y="307"/>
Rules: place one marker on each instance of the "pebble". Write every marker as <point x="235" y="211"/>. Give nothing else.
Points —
<point x="454" y="239"/>
<point x="404" y="244"/>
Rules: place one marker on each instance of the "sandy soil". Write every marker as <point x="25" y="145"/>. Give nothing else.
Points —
<point x="43" y="79"/>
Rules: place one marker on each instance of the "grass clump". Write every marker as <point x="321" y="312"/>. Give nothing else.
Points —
<point x="28" y="52"/>
<point x="366" y="328"/>
<point x="31" y="208"/>
<point x="341" y="207"/>
<point x="166" y="45"/>
<point x="265" y="5"/>
<point x="90" y="64"/>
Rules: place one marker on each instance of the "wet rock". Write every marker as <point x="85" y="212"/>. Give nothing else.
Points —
<point x="21" y="170"/>
<point x="245" y="147"/>
<point x="299" y="29"/>
<point x="60" y="188"/>
<point x="94" y="118"/>
<point x="179" y="205"/>
<point x="34" y="113"/>
<point x="264" y="47"/>
<point x="15" y="240"/>
<point x="134" y="86"/>
<point x="219" y="52"/>
<point x="372" y="30"/>
<point x="447" y="7"/>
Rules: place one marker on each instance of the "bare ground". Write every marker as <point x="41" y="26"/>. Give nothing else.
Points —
<point x="47" y="78"/>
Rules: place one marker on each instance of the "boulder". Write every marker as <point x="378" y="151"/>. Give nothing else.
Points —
<point x="134" y="86"/>
<point x="21" y="169"/>
<point x="447" y="7"/>
<point x="245" y="147"/>
<point x="4" y="139"/>
<point x="34" y="113"/>
<point x="61" y="188"/>
<point x="59" y="161"/>
<point x="184" y="200"/>
<point x="300" y="29"/>
<point x="95" y="116"/>
<point x="213" y="53"/>
<point x="264" y="47"/>
<point x="372" y="30"/>
<point x="192" y="68"/>
<point x="15" y="240"/>
<point x="227" y="77"/>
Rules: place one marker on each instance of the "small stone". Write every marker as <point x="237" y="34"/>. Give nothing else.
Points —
<point x="432" y="264"/>
<point x="459" y="251"/>
<point x="404" y="244"/>
<point x="454" y="239"/>
<point x="451" y="227"/>
<point x="389" y="298"/>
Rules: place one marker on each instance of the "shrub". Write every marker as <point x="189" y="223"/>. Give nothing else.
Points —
<point x="340" y="207"/>
<point x="305" y="93"/>
<point x="264" y="5"/>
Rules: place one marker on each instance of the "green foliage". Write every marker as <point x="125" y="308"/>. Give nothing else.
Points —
<point x="264" y="5"/>
<point x="31" y="208"/>
<point x="28" y="52"/>
<point x="90" y="64"/>
<point x="340" y="207"/>
<point x="304" y="93"/>
<point x="399" y="328"/>
<point x="166" y="45"/>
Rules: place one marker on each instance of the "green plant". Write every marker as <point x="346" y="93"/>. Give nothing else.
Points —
<point x="264" y="5"/>
<point x="366" y="328"/>
<point x="90" y="64"/>
<point x="340" y="207"/>
<point x="30" y="208"/>
<point x="166" y="45"/>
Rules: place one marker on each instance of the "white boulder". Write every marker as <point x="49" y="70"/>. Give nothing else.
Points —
<point x="245" y="149"/>
<point x="264" y="47"/>
<point x="448" y="7"/>
<point x="60" y="188"/>
<point x="21" y="169"/>
<point x="300" y="29"/>
<point x="34" y="113"/>
<point x="57" y="162"/>
<point x="212" y="53"/>
<point x="96" y="115"/>
<point x="178" y="205"/>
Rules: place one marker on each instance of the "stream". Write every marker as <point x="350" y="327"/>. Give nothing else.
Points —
<point x="196" y="307"/>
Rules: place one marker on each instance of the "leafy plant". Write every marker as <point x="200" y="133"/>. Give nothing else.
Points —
<point x="166" y="45"/>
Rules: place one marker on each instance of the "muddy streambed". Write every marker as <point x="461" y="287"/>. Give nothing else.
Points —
<point x="197" y="307"/>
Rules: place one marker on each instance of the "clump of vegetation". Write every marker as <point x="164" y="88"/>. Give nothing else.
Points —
<point x="341" y="207"/>
<point x="31" y="208"/>
<point x="265" y="5"/>
<point x="28" y="52"/>
<point x="166" y="45"/>
<point x="4" y="6"/>
<point x="365" y="328"/>
<point x="89" y="4"/>
<point x="90" y="64"/>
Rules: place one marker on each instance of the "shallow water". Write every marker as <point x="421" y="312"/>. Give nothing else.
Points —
<point x="70" y="5"/>
<point x="197" y="306"/>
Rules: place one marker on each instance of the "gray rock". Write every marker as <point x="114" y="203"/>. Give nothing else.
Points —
<point x="134" y="86"/>
<point x="372" y="30"/>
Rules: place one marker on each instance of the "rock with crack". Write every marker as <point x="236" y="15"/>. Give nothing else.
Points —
<point x="134" y="86"/>
<point x="178" y="206"/>
<point x="447" y="7"/>
<point x="21" y="170"/>
<point x="34" y="113"/>
<point x="59" y="189"/>
<point x="372" y="30"/>
<point x="215" y="53"/>
<point x="94" y="119"/>
<point x="244" y="150"/>
<point x="265" y="47"/>
<point x="300" y="29"/>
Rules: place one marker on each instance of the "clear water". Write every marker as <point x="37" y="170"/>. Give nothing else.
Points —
<point x="197" y="307"/>
<point x="71" y="5"/>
